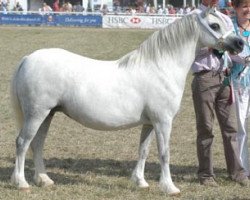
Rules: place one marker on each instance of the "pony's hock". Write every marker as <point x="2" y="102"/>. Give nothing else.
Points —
<point x="137" y="89"/>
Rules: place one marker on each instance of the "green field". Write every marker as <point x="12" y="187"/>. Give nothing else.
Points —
<point x="87" y="164"/>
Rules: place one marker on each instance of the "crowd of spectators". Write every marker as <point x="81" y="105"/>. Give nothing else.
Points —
<point x="65" y="7"/>
<point x="57" y="7"/>
<point x="139" y="7"/>
<point x="168" y="10"/>
<point x="5" y="6"/>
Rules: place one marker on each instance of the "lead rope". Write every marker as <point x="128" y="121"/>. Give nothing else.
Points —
<point x="228" y="79"/>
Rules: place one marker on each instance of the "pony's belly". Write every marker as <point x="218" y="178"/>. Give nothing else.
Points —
<point x="107" y="120"/>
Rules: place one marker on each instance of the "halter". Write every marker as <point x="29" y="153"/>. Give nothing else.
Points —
<point x="215" y="34"/>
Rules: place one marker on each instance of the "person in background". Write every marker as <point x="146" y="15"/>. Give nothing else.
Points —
<point x="18" y="7"/>
<point x="67" y="7"/>
<point x="78" y="7"/>
<point x="210" y="98"/>
<point x="56" y="6"/>
<point x="240" y="76"/>
<point x="45" y="8"/>
<point x="104" y="9"/>
<point x="5" y="5"/>
<point x="171" y="10"/>
<point x="160" y="10"/>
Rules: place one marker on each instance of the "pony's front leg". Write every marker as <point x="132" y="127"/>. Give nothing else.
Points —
<point x="145" y="140"/>
<point x="163" y="131"/>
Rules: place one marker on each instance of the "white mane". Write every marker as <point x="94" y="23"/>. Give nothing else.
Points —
<point x="164" y="42"/>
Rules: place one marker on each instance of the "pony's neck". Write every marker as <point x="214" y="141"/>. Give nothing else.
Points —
<point x="178" y="37"/>
<point x="171" y="42"/>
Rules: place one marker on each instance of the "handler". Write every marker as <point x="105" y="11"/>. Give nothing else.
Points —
<point x="211" y="97"/>
<point x="240" y="76"/>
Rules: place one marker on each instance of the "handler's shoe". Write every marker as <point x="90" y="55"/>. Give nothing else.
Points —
<point x="243" y="182"/>
<point x="209" y="181"/>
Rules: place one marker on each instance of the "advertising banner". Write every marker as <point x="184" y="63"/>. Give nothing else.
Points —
<point x="51" y="19"/>
<point x="79" y="20"/>
<point x="134" y="21"/>
<point x="19" y="19"/>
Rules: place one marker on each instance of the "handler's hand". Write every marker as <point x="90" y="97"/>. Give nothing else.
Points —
<point x="247" y="60"/>
<point x="217" y="53"/>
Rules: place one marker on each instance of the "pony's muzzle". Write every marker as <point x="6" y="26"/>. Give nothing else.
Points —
<point x="239" y="43"/>
<point x="233" y="45"/>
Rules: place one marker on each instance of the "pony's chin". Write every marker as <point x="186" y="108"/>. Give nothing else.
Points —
<point x="234" y="52"/>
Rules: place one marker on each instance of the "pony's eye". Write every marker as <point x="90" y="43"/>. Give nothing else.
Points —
<point x="215" y="26"/>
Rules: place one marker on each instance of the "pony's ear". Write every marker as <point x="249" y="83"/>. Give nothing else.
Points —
<point x="213" y="9"/>
<point x="209" y="10"/>
<point x="205" y="12"/>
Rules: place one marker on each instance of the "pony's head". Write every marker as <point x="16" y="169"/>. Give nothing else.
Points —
<point x="215" y="32"/>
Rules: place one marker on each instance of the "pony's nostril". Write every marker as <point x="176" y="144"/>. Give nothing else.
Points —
<point x="240" y="43"/>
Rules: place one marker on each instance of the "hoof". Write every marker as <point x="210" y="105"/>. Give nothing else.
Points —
<point x="20" y="183"/>
<point x="171" y="190"/>
<point x="45" y="183"/>
<point x="142" y="184"/>
<point x="175" y="194"/>
<point x="25" y="189"/>
<point x="42" y="180"/>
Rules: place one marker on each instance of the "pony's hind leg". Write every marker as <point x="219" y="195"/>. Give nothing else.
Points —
<point x="145" y="140"/>
<point x="40" y="177"/>
<point x="26" y="135"/>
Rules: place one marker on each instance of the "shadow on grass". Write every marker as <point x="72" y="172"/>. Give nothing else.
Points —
<point x="70" y="171"/>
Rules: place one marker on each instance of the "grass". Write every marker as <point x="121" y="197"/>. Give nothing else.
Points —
<point x="88" y="164"/>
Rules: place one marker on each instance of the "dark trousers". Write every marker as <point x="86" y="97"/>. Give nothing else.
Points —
<point x="211" y="98"/>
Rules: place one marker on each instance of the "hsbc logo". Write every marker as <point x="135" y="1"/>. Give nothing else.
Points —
<point x="123" y="21"/>
<point x="135" y="20"/>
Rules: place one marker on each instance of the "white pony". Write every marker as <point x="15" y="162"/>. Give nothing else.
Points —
<point x="144" y="87"/>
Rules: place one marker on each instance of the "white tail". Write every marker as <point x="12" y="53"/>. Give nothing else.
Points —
<point x="14" y="98"/>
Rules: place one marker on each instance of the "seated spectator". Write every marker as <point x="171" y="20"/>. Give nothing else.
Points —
<point x="104" y="9"/>
<point x="117" y="6"/>
<point x="78" y="7"/>
<point x="1" y="6"/>
<point x="147" y="9"/>
<point x="180" y="11"/>
<point x="165" y="11"/>
<point x="46" y="8"/>
<point x="152" y="10"/>
<point x="56" y="6"/>
<point x="67" y="7"/>
<point x="172" y="11"/>
<point x="5" y="5"/>
<point x="133" y="11"/>
<point x="18" y="7"/>
<point x="187" y="10"/>
<point x="160" y="10"/>
<point x="140" y="9"/>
